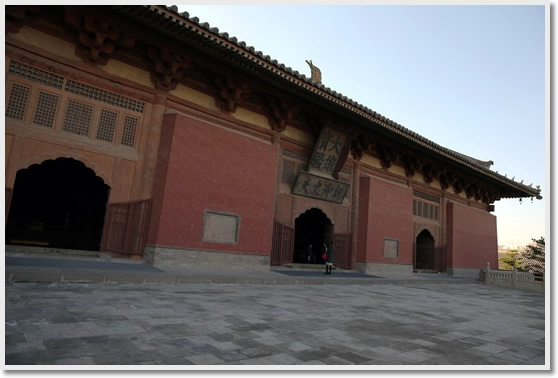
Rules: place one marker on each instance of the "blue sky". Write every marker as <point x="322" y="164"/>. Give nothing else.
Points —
<point x="468" y="77"/>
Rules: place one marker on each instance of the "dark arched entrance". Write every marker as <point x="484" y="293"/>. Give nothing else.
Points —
<point x="60" y="204"/>
<point x="311" y="228"/>
<point x="424" y="251"/>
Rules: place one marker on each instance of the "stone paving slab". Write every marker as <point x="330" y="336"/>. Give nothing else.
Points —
<point x="421" y="324"/>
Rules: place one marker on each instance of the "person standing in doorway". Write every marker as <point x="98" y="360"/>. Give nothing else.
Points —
<point x="328" y="257"/>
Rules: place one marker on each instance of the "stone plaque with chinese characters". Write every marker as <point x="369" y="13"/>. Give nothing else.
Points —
<point x="327" y="151"/>
<point x="319" y="181"/>
<point x="319" y="187"/>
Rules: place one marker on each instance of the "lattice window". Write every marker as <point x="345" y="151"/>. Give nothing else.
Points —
<point x="17" y="103"/>
<point x="78" y="118"/>
<point x="426" y="210"/>
<point x="294" y="155"/>
<point x="427" y="197"/>
<point x="104" y="96"/>
<point x="289" y="173"/>
<point x="417" y="208"/>
<point x="107" y="125"/>
<point x="129" y="132"/>
<point x="36" y="75"/>
<point x="45" y="112"/>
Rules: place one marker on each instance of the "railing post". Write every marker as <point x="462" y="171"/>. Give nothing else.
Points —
<point x="484" y="273"/>
<point x="514" y="276"/>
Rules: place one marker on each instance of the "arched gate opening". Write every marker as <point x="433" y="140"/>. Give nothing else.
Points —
<point x="311" y="228"/>
<point x="59" y="204"/>
<point x="424" y="258"/>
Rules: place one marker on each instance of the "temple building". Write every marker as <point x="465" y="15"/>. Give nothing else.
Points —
<point x="138" y="131"/>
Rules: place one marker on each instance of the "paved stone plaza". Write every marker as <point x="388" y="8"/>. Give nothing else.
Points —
<point x="204" y="324"/>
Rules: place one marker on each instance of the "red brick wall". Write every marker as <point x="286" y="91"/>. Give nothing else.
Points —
<point x="385" y="211"/>
<point x="206" y="167"/>
<point x="471" y="237"/>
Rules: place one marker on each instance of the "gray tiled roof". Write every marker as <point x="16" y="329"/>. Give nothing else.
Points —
<point x="214" y="35"/>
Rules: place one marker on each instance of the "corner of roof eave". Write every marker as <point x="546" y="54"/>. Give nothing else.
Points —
<point x="522" y="191"/>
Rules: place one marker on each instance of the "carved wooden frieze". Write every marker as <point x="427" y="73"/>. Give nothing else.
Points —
<point x="410" y="164"/>
<point x="316" y="122"/>
<point x="458" y="185"/>
<point x="386" y="154"/>
<point x="427" y="171"/>
<point x="477" y="193"/>
<point x="230" y="94"/>
<point x="469" y="190"/>
<point x="280" y="113"/>
<point x="494" y="195"/>
<point x="98" y="37"/>
<point x="445" y="178"/>
<point x="15" y="14"/>
<point x="169" y="66"/>
<point x="486" y="195"/>
<point x="359" y="145"/>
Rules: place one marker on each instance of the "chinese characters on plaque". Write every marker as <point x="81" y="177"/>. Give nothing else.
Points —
<point x="318" y="182"/>
<point x="309" y="185"/>
<point x="327" y="151"/>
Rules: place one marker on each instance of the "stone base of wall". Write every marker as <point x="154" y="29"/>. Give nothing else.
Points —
<point x="24" y="249"/>
<point x="463" y="272"/>
<point x="379" y="268"/>
<point x="177" y="257"/>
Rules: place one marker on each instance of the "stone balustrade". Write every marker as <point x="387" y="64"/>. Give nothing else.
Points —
<point x="511" y="278"/>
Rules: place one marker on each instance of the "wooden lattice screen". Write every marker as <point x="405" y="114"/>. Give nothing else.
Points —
<point x="342" y="250"/>
<point x="283" y="244"/>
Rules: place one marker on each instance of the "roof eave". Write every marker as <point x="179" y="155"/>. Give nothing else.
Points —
<point x="177" y="24"/>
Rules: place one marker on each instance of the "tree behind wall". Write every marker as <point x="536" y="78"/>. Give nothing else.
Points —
<point x="510" y="260"/>
<point x="532" y="257"/>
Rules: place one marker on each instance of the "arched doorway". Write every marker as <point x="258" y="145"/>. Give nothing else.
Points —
<point x="311" y="228"/>
<point x="60" y="204"/>
<point x="424" y="251"/>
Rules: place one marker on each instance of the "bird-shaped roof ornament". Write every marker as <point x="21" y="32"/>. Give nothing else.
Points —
<point x="316" y="74"/>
